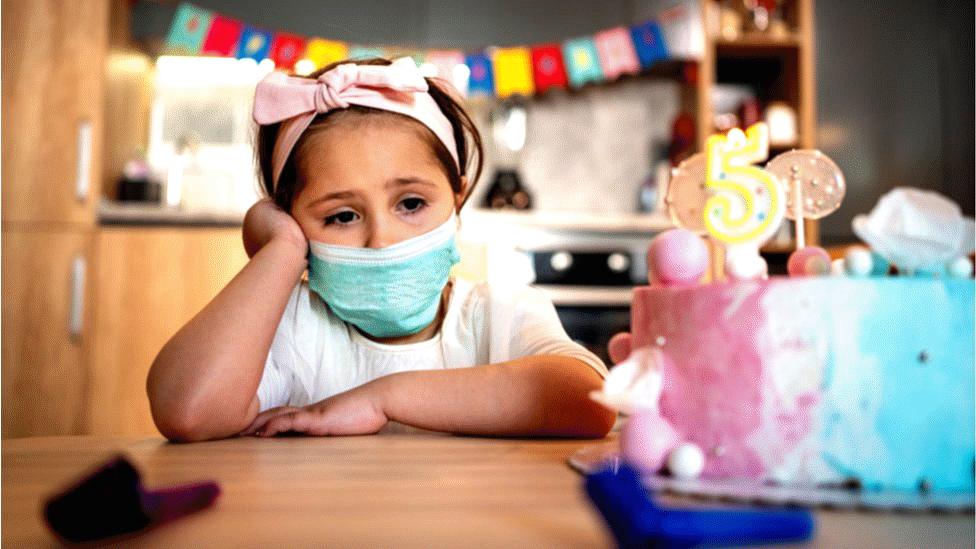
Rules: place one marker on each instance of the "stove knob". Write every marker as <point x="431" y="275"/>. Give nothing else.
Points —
<point x="618" y="262"/>
<point x="561" y="261"/>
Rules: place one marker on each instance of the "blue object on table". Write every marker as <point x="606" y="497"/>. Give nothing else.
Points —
<point x="636" y="521"/>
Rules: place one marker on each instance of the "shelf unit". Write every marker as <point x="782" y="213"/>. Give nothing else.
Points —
<point x="778" y="67"/>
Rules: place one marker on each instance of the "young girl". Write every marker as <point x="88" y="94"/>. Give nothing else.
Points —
<point x="365" y="163"/>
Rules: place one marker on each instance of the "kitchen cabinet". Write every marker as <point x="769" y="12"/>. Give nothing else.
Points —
<point x="47" y="297"/>
<point x="53" y="67"/>
<point x="85" y="312"/>
<point x="150" y="282"/>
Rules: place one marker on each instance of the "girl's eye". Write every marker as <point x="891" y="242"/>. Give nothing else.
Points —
<point x="344" y="217"/>
<point x="413" y="204"/>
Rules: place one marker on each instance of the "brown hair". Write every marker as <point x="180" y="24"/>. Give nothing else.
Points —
<point x="466" y="135"/>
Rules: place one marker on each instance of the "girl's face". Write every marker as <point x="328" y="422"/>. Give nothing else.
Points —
<point x="370" y="182"/>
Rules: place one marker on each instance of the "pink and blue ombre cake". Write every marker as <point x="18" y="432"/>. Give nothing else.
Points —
<point x="820" y="380"/>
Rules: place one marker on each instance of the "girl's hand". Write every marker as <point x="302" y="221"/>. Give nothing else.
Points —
<point x="354" y="412"/>
<point x="265" y="221"/>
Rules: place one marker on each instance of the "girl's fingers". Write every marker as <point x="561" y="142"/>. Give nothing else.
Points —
<point x="298" y="421"/>
<point x="266" y="416"/>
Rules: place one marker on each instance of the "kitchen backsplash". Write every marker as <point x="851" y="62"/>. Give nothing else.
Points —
<point x="588" y="151"/>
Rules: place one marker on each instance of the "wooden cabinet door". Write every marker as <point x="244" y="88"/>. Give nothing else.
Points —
<point x="53" y="72"/>
<point x="46" y="307"/>
<point x="151" y="281"/>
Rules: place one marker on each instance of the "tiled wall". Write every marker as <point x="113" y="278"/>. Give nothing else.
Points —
<point x="589" y="150"/>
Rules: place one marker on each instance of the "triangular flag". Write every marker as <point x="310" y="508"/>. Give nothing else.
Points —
<point x="548" y="69"/>
<point x="223" y="36"/>
<point x="582" y="61"/>
<point x="617" y="54"/>
<point x="322" y="52"/>
<point x="445" y="62"/>
<point x="188" y="29"/>
<point x="513" y="71"/>
<point x="357" y="51"/>
<point x="481" y="78"/>
<point x="255" y="44"/>
<point x="450" y="67"/>
<point x="286" y="49"/>
<point x="649" y="43"/>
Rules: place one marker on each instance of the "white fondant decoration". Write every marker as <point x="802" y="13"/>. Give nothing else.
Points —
<point x="634" y="383"/>
<point x="687" y="461"/>
<point x="916" y="229"/>
<point x="960" y="267"/>
<point x="857" y="261"/>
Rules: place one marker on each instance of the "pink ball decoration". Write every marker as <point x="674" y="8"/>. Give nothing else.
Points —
<point x="647" y="440"/>
<point x="677" y="257"/>
<point x="809" y="261"/>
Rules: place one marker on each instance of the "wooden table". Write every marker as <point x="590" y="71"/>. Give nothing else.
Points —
<point x="403" y="490"/>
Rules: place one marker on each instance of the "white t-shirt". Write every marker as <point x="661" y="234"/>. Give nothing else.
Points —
<point x="315" y="354"/>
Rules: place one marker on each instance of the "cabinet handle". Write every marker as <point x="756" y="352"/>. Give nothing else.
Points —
<point x="83" y="167"/>
<point x="76" y="312"/>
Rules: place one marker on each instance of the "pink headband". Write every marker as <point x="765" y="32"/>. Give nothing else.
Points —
<point x="293" y="101"/>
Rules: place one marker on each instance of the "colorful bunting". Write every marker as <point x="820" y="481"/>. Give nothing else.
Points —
<point x="223" y="36"/>
<point x="582" y="61"/>
<point x="322" y="52"/>
<point x="254" y="44"/>
<point x="189" y="28"/>
<point x="617" y="53"/>
<point x="445" y="61"/>
<point x="649" y="43"/>
<point x="502" y="72"/>
<point x="357" y="51"/>
<point x="286" y="49"/>
<point x="481" y="80"/>
<point x="513" y="72"/>
<point x="548" y="68"/>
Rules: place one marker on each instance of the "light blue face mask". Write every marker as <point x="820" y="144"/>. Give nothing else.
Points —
<point x="386" y="292"/>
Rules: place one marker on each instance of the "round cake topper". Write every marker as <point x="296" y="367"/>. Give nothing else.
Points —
<point x="687" y="193"/>
<point x="821" y="183"/>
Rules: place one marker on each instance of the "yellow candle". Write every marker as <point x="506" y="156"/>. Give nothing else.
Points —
<point x="747" y="203"/>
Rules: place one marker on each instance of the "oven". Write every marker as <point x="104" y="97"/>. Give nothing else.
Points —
<point x="590" y="279"/>
<point x="588" y="265"/>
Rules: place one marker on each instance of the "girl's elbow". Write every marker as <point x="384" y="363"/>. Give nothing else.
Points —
<point x="599" y="423"/>
<point x="179" y="423"/>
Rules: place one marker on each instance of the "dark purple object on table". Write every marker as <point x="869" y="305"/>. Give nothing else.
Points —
<point x="112" y="501"/>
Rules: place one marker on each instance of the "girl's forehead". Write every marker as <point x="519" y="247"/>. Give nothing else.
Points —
<point x="368" y="153"/>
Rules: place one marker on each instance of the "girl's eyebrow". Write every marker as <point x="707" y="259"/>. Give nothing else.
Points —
<point x="400" y="181"/>
<point x="395" y="182"/>
<point x="331" y="196"/>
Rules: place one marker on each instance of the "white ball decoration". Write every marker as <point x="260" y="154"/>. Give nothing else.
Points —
<point x="745" y="267"/>
<point x="838" y="267"/>
<point x="686" y="461"/>
<point x="858" y="262"/>
<point x="960" y="267"/>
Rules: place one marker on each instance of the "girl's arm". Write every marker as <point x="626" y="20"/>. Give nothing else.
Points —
<point x="542" y="395"/>
<point x="203" y="383"/>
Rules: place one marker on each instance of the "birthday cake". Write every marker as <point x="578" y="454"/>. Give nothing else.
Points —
<point x="837" y="376"/>
<point x="819" y="381"/>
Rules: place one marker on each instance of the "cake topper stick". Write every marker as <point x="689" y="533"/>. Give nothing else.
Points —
<point x="747" y="203"/>
<point x="797" y="211"/>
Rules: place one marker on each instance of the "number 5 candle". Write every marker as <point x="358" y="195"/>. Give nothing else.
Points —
<point x="747" y="203"/>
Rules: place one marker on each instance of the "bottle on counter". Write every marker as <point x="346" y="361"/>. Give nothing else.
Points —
<point x="650" y="193"/>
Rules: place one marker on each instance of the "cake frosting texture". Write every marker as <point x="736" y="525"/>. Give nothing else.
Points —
<point x="821" y="379"/>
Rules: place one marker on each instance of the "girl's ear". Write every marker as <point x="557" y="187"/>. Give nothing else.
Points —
<point x="459" y="196"/>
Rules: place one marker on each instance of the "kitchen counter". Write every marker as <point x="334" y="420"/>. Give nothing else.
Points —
<point x="112" y="212"/>
<point x="121" y="213"/>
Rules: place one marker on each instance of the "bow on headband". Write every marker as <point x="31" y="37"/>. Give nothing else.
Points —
<point x="293" y="101"/>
